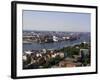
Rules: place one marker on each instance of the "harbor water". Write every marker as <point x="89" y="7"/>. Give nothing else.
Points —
<point x="55" y="45"/>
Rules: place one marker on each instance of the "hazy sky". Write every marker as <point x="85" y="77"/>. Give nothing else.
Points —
<point x="56" y="21"/>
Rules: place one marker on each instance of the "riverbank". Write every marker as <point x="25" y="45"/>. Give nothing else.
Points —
<point x="71" y="56"/>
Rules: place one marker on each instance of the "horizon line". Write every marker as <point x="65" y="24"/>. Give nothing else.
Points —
<point x="56" y="31"/>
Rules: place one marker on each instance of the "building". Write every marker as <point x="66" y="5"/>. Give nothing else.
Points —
<point x="67" y="63"/>
<point x="84" y="52"/>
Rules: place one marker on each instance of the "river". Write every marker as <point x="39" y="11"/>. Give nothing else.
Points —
<point x="55" y="45"/>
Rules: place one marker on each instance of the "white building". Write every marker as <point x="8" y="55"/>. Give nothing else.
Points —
<point x="55" y="39"/>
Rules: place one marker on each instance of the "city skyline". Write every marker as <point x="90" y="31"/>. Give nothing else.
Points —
<point x="56" y="21"/>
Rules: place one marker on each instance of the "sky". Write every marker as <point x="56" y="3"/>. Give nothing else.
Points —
<point x="56" y="21"/>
